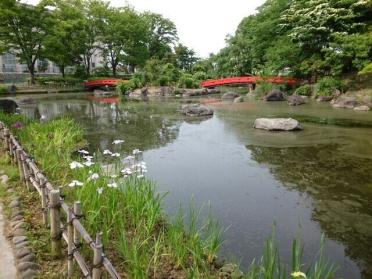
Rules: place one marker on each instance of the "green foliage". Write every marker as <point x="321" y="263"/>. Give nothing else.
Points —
<point x="188" y="81"/>
<point x="101" y="72"/>
<point x="367" y="70"/>
<point x="51" y="143"/>
<point x="22" y="31"/>
<point x="161" y="35"/>
<point x="185" y="57"/>
<point x="304" y="90"/>
<point x="301" y="38"/>
<point x="262" y="88"/>
<point x="327" y="85"/>
<point x="3" y="89"/>
<point x="135" y="82"/>
<point x="158" y="73"/>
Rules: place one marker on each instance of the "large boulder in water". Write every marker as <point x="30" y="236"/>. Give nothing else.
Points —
<point x="230" y="95"/>
<point x="161" y="91"/>
<point x="277" y="124"/>
<point x="362" y="108"/>
<point x="139" y="94"/>
<point x="8" y="106"/>
<point x="274" y="95"/>
<point x="345" y="102"/>
<point x="295" y="100"/>
<point x="196" y="110"/>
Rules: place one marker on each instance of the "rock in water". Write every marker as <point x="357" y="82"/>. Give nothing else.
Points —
<point x="239" y="100"/>
<point x="139" y="94"/>
<point x="196" y="110"/>
<point x="274" y="95"/>
<point x="8" y="106"/>
<point x="277" y="124"/>
<point x="295" y="100"/>
<point x="230" y="95"/>
<point x="362" y="108"/>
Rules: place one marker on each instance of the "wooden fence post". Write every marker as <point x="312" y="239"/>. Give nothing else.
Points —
<point x="6" y="140"/>
<point x="70" y="243"/>
<point x="26" y="171"/>
<point x="78" y="213"/>
<point x="44" y="200"/>
<point x="98" y="258"/>
<point x="20" y="164"/>
<point x="55" y="223"/>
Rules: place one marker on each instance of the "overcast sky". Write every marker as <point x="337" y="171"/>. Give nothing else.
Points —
<point x="201" y="24"/>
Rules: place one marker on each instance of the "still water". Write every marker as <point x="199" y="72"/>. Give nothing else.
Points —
<point x="315" y="181"/>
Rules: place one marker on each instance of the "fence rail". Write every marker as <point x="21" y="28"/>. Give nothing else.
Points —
<point x="53" y="206"/>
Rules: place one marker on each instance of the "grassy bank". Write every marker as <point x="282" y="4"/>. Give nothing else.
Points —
<point x="119" y="201"/>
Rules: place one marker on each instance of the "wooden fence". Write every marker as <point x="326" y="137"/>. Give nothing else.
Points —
<point x="53" y="207"/>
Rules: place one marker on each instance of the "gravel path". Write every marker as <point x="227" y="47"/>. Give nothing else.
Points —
<point x="7" y="262"/>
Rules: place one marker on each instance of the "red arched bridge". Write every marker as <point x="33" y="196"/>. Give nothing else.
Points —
<point x="207" y="83"/>
<point x="247" y="80"/>
<point x="101" y="83"/>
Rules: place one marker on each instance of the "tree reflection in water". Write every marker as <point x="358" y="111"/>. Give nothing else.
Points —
<point x="340" y="186"/>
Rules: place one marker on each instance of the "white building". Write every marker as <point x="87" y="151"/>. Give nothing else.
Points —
<point x="11" y="70"/>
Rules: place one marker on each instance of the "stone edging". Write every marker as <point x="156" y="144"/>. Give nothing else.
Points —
<point x="25" y="258"/>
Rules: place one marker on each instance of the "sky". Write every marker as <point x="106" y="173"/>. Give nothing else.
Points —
<point x="201" y="24"/>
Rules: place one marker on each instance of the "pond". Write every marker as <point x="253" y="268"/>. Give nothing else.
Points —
<point x="315" y="181"/>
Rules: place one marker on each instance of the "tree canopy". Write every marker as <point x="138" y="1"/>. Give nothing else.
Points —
<point x="305" y="38"/>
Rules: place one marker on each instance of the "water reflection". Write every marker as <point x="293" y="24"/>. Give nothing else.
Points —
<point x="340" y="186"/>
<point x="141" y="125"/>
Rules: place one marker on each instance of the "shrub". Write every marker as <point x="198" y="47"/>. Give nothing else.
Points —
<point x="304" y="90"/>
<point x="262" y="88"/>
<point x="327" y="85"/>
<point x="367" y="70"/>
<point x="188" y="81"/>
<point x="3" y="89"/>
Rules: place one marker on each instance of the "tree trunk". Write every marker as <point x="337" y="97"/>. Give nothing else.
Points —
<point x="32" y="74"/>
<point x="62" y="69"/>
<point x="114" y="69"/>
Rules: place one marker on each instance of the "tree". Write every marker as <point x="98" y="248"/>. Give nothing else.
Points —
<point x="185" y="57"/>
<point x="162" y="34"/>
<point x="93" y="24"/>
<point x="63" y="43"/>
<point x="23" y="30"/>
<point x="123" y="38"/>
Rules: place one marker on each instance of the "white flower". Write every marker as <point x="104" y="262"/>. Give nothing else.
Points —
<point x="113" y="176"/>
<point x="107" y="152"/>
<point x="75" y="183"/>
<point x="112" y="185"/>
<point x="140" y="176"/>
<point x="126" y="171"/>
<point x="136" y="151"/>
<point x="117" y="141"/>
<point x="129" y="158"/>
<point x="88" y="163"/>
<point x="115" y="155"/>
<point x="298" y="274"/>
<point x="82" y="151"/>
<point x="94" y="176"/>
<point x="99" y="191"/>
<point x="88" y="158"/>
<point x="75" y="165"/>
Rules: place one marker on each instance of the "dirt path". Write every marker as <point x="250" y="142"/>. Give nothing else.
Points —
<point x="7" y="261"/>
